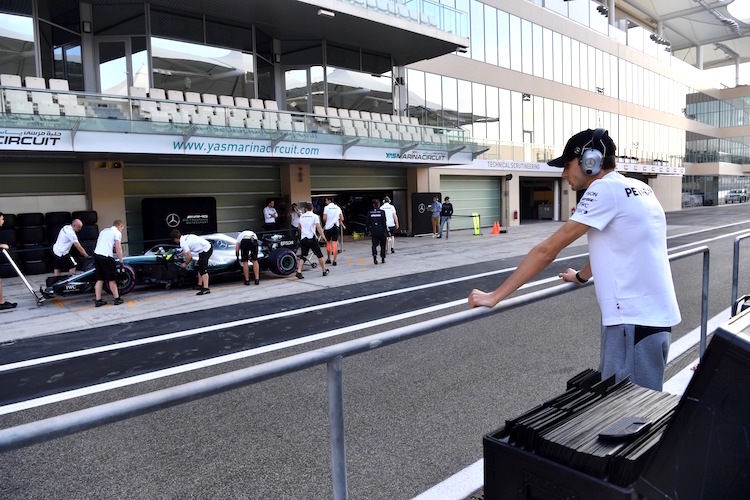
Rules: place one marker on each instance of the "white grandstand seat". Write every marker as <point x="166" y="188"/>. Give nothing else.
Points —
<point x="298" y="126"/>
<point x="210" y="99"/>
<point x="242" y="102"/>
<point x="334" y="122"/>
<point x="192" y="97"/>
<point x="343" y="113"/>
<point x="320" y="114"/>
<point x="238" y="113"/>
<point x="48" y="108"/>
<point x="58" y="84"/>
<point x="413" y="120"/>
<point x="365" y="115"/>
<point x="353" y="113"/>
<point x="253" y="121"/>
<point x="35" y="82"/>
<point x="284" y="125"/>
<point x="157" y="94"/>
<point x="18" y="102"/>
<point x="385" y="118"/>
<point x="256" y="103"/>
<point x="150" y="110"/>
<point x="226" y="100"/>
<point x="236" y="121"/>
<point x="71" y="109"/>
<point x="175" y="95"/>
<point x="199" y="119"/>
<point x="206" y="111"/>
<point x="219" y="118"/>
<point x="10" y="80"/>
<point x="375" y="116"/>
<point x="138" y="92"/>
<point x="284" y="118"/>
<point x="271" y="105"/>
<point x="38" y="97"/>
<point x="268" y="124"/>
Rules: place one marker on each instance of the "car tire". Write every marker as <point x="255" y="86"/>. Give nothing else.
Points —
<point x="88" y="232"/>
<point x="282" y="261"/>
<point x="57" y="218"/>
<point x="30" y="219"/>
<point x="125" y="280"/>
<point x="8" y="236"/>
<point x="86" y="216"/>
<point x="10" y="221"/>
<point x="32" y="235"/>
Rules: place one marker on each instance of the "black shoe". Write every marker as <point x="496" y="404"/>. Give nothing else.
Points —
<point x="299" y="276"/>
<point x="393" y="250"/>
<point x="328" y="261"/>
<point x="7" y="305"/>
<point x="325" y="273"/>
<point x="197" y="287"/>
<point x="440" y="236"/>
<point x="382" y="260"/>
<point x="257" y="282"/>
<point x="375" y="259"/>
<point x="248" y="283"/>
<point x="204" y="291"/>
<point x="99" y="303"/>
<point x="334" y="263"/>
<point x="118" y="301"/>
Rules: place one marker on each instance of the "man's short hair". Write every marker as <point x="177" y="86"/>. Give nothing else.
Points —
<point x="375" y="203"/>
<point x="386" y="199"/>
<point x="175" y="234"/>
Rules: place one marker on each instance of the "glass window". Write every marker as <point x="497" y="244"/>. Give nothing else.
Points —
<point x="538" y="51"/>
<point x="559" y="6"/>
<point x="579" y="11"/>
<point x="549" y="123"/>
<point x="490" y="35"/>
<point x="598" y="21"/>
<point x="539" y="124"/>
<point x="479" y="109"/>
<point x="450" y="102"/>
<point x="516" y="119"/>
<point x="557" y="55"/>
<point x="506" y="113"/>
<point x="201" y="68"/>
<point x="567" y="118"/>
<point x="60" y="52"/>
<point x="527" y="47"/>
<point x="348" y="89"/>
<point x="493" y="114"/>
<point x="297" y="95"/>
<point x="503" y="39"/>
<point x="547" y="54"/>
<point x="477" y="30"/>
<point x="612" y="89"/>
<point x="18" y="46"/>
<point x="593" y="69"/>
<point x="575" y="118"/>
<point x="575" y="63"/>
<point x="416" y="95"/>
<point x="566" y="61"/>
<point x="584" y="67"/>
<point x="557" y="115"/>
<point x="515" y="43"/>
<point x="434" y="106"/>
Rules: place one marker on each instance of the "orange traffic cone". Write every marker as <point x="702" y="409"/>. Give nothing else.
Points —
<point x="496" y="228"/>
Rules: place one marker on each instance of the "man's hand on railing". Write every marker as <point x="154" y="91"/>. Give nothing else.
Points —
<point x="478" y="298"/>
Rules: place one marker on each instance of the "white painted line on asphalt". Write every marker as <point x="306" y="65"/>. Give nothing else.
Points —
<point x="459" y="485"/>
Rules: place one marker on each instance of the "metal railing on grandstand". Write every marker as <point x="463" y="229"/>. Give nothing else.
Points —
<point x="47" y="429"/>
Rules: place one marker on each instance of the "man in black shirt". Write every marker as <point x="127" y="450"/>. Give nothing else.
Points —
<point x="376" y="226"/>
<point x="445" y="216"/>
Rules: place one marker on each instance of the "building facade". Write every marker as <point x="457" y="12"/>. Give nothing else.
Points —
<point x="107" y="103"/>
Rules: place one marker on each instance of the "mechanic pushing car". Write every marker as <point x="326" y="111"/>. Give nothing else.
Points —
<point x="247" y="249"/>
<point x="193" y="244"/>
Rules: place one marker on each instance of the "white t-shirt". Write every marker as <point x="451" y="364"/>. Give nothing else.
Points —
<point x="332" y="212"/>
<point x="390" y="211"/>
<point x="295" y="219"/>
<point x="105" y="243"/>
<point x="65" y="241"/>
<point x="628" y="252"/>
<point x="307" y="223"/>
<point x="194" y="244"/>
<point x="269" y="215"/>
<point x="247" y="234"/>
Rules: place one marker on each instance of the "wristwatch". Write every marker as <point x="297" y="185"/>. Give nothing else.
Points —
<point x="578" y="277"/>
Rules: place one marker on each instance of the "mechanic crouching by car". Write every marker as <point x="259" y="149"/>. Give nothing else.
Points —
<point x="247" y="249"/>
<point x="193" y="244"/>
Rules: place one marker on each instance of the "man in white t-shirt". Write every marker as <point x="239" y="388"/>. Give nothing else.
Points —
<point x="309" y="229"/>
<point x="192" y="245"/>
<point x="333" y="220"/>
<point x="67" y="239"/>
<point x="627" y="236"/>
<point x="391" y="220"/>
<point x="108" y="244"/>
<point x="247" y="249"/>
<point x="269" y="216"/>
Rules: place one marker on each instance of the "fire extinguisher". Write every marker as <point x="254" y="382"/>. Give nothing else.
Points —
<point x="515" y="214"/>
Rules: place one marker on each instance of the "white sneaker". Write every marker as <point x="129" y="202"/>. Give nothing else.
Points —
<point x="433" y="235"/>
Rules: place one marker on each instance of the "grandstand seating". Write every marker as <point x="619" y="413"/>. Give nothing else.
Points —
<point x="176" y="106"/>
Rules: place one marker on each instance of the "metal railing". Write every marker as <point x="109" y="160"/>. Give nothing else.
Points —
<point x="70" y="423"/>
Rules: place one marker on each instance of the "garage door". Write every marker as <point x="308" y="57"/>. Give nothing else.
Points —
<point x="240" y="191"/>
<point x="471" y="194"/>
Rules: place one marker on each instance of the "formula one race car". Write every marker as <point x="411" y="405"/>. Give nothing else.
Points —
<point x="160" y="265"/>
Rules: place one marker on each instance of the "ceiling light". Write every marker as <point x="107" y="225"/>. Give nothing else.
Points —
<point x="326" y="13"/>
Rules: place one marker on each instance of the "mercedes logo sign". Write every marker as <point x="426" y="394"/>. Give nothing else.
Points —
<point x="173" y="220"/>
<point x="422" y="208"/>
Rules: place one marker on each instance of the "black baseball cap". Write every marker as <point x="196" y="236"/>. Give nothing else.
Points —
<point x="581" y="140"/>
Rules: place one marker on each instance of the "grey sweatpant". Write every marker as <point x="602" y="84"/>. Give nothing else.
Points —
<point x="640" y="352"/>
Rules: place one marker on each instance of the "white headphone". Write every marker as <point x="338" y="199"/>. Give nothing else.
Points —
<point x="591" y="159"/>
